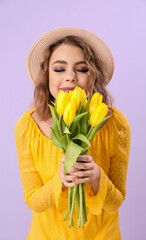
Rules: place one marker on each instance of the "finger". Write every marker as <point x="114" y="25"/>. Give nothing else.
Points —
<point x="67" y="177"/>
<point x="82" y="174"/>
<point x="63" y="159"/>
<point x="68" y="172"/>
<point x="71" y="170"/>
<point x="84" y="158"/>
<point x="71" y="184"/>
<point x="82" y="180"/>
<point x="69" y="181"/>
<point x="62" y="170"/>
<point x="86" y="166"/>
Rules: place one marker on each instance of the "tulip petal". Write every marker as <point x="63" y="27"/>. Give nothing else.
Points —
<point x="95" y="101"/>
<point x="69" y="112"/>
<point x="63" y="99"/>
<point x="99" y="113"/>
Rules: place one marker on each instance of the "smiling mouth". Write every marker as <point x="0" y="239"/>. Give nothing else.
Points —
<point x="67" y="89"/>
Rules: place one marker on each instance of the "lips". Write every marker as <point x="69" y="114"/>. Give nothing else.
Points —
<point x="67" y="88"/>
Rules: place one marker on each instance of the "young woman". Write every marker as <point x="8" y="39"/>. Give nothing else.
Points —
<point x="62" y="59"/>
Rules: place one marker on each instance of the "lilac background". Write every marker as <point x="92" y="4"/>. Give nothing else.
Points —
<point x="121" y="24"/>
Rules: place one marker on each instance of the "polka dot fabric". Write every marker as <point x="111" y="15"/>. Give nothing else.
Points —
<point x="39" y="162"/>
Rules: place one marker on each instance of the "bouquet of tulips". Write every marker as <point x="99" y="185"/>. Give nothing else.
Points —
<point x="75" y="122"/>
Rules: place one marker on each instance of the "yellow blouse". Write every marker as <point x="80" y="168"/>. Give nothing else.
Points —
<point x="39" y="163"/>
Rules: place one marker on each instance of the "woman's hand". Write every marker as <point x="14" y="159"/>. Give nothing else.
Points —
<point x="84" y="170"/>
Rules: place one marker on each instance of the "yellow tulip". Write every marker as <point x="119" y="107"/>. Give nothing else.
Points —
<point x="70" y="112"/>
<point x="76" y="88"/>
<point x="76" y="96"/>
<point x="99" y="113"/>
<point x="62" y="101"/>
<point x="58" y="96"/>
<point x="70" y="93"/>
<point x="83" y="96"/>
<point x="94" y="102"/>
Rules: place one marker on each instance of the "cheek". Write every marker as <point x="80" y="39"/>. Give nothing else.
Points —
<point x="84" y="81"/>
<point x="53" y="85"/>
<point x="52" y="80"/>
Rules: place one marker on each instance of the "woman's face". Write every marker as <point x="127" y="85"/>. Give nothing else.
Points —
<point x="67" y="68"/>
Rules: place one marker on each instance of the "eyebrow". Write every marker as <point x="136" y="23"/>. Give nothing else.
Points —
<point x="64" y="62"/>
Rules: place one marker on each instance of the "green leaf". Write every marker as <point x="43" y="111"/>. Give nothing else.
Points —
<point x="81" y="104"/>
<point x="56" y="141"/>
<point x="94" y="130"/>
<point x="82" y="138"/>
<point x="87" y="110"/>
<point x="55" y="122"/>
<point x="83" y="123"/>
<point x="64" y="142"/>
<point x="87" y="106"/>
<point x="57" y="114"/>
<point x="77" y="132"/>
<point x="66" y="130"/>
<point x="72" y="152"/>
<point x="53" y="103"/>
<point x="75" y="121"/>
<point x="85" y="151"/>
<point x="63" y="125"/>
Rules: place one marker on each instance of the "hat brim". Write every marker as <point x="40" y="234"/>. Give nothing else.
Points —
<point x="100" y="49"/>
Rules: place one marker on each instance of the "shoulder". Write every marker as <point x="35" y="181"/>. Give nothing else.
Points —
<point x="120" y="134"/>
<point x="120" y="126"/>
<point x="23" y="120"/>
<point x="119" y="119"/>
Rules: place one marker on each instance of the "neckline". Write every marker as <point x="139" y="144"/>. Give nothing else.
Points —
<point x="49" y="139"/>
<point x="36" y="125"/>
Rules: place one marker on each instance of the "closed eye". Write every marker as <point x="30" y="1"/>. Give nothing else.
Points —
<point x="79" y="70"/>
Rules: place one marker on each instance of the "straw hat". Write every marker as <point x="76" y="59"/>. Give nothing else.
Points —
<point x="101" y="51"/>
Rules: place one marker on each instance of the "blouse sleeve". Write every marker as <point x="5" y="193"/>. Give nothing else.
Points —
<point x="37" y="196"/>
<point x="112" y="188"/>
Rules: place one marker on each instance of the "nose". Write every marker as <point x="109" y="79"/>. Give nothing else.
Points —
<point x="71" y="76"/>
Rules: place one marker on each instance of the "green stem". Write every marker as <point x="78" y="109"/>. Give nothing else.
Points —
<point x="81" y="204"/>
<point x="77" y="199"/>
<point x="89" y="131"/>
<point x="60" y="116"/>
<point x="88" y="125"/>
<point x="69" y="199"/>
<point x="69" y="203"/>
<point x="73" y="204"/>
<point x="67" y="212"/>
<point x="79" y="221"/>
<point x="84" y="201"/>
<point x="68" y="135"/>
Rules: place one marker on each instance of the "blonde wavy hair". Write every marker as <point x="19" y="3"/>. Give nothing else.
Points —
<point x="97" y="79"/>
